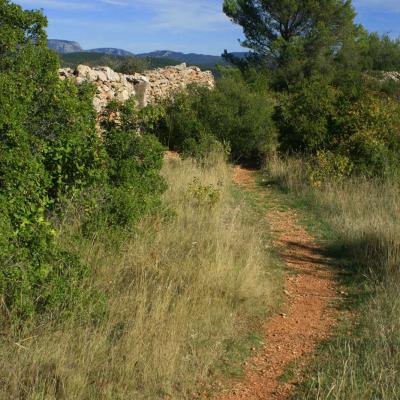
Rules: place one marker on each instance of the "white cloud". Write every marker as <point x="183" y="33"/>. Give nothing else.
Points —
<point x="174" y="15"/>
<point x="58" y="4"/>
<point x="114" y="2"/>
<point x="179" y="14"/>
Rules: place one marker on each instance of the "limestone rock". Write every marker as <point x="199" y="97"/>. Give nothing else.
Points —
<point x="391" y="75"/>
<point x="83" y="71"/>
<point x="181" y="67"/>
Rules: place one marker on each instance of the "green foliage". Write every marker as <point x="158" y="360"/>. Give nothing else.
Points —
<point x="391" y="88"/>
<point x="370" y="130"/>
<point x="380" y="53"/>
<point x="327" y="166"/>
<point x="48" y="148"/>
<point x="182" y="120"/>
<point x="327" y="108"/>
<point x="304" y="118"/>
<point x="51" y="154"/>
<point x="135" y="159"/>
<point x="235" y="113"/>
<point x="202" y="147"/>
<point x="73" y="153"/>
<point x="203" y="195"/>
<point x="149" y="119"/>
<point x="298" y="39"/>
<point x="364" y="128"/>
<point x="20" y="28"/>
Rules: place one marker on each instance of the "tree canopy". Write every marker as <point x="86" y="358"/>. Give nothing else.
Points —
<point x="297" y="38"/>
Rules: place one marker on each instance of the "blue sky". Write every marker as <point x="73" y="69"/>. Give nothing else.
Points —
<point x="180" y="25"/>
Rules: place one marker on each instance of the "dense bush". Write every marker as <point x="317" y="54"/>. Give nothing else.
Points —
<point x="380" y="53"/>
<point x="51" y="153"/>
<point x="48" y="149"/>
<point x="370" y="130"/>
<point x="305" y="117"/>
<point x="236" y="113"/>
<point x="135" y="159"/>
<point x="364" y="128"/>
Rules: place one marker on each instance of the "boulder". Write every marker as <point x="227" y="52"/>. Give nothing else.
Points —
<point x="110" y="74"/>
<point x="85" y="72"/>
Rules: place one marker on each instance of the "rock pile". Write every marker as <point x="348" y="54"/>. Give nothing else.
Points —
<point x="150" y="87"/>
<point x="393" y="75"/>
<point x="164" y="81"/>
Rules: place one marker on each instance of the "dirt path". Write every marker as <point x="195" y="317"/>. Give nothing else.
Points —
<point x="308" y="316"/>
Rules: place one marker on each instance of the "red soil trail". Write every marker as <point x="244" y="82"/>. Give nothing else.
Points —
<point x="308" y="315"/>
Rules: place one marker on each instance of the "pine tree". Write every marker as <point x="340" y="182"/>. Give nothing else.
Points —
<point x="295" y="38"/>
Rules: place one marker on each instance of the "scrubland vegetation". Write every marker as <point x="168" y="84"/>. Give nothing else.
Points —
<point x="176" y="290"/>
<point x="126" y="276"/>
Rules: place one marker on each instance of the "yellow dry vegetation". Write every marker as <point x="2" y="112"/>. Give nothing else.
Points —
<point x="187" y="281"/>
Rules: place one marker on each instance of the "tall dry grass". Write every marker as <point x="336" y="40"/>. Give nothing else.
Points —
<point x="365" y="217"/>
<point x="176" y="291"/>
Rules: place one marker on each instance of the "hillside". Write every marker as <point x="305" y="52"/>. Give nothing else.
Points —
<point x="111" y="51"/>
<point x="64" y="46"/>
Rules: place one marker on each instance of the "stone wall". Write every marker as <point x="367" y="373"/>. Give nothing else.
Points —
<point x="393" y="75"/>
<point x="164" y="81"/>
<point x="148" y="88"/>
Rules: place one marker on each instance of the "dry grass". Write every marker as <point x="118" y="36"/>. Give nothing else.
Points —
<point x="366" y="216"/>
<point x="176" y="291"/>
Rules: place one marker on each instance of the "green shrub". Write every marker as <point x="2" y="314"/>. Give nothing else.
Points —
<point x="203" y="195"/>
<point x="182" y="121"/>
<point x="362" y="128"/>
<point x="73" y="153"/>
<point x="52" y="155"/>
<point x="305" y="117"/>
<point x="240" y="114"/>
<point x="133" y="185"/>
<point x="235" y="113"/>
<point x="202" y="147"/>
<point x="391" y="88"/>
<point x="370" y="133"/>
<point x="380" y="53"/>
<point x="327" y="166"/>
<point x="48" y="149"/>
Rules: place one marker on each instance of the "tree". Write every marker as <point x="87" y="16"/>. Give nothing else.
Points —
<point x="380" y="53"/>
<point x="295" y="38"/>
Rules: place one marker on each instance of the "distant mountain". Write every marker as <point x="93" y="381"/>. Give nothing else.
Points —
<point x="190" y="58"/>
<point x="111" y="51"/>
<point x="202" y="60"/>
<point x="64" y="46"/>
